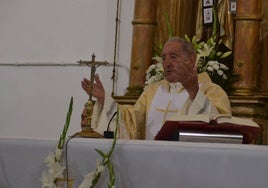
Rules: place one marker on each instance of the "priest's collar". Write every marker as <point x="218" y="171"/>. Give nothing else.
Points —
<point x="172" y="87"/>
<point x="175" y="87"/>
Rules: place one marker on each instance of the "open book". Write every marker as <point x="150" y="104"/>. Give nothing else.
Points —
<point x="174" y="127"/>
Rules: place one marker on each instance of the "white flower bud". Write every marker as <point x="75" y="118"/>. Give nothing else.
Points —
<point x="216" y="66"/>
<point x="224" y="76"/>
<point x="209" y="68"/>
<point x="220" y="72"/>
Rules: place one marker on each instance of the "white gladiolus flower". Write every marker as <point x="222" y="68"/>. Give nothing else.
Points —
<point x="158" y="59"/>
<point x="47" y="180"/>
<point x="223" y="66"/>
<point x="58" y="153"/>
<point x="210" y="68"/>
<point x="50" y="158"/>
<point x="87" y="182"/>
<point x="99" y="165"/>
<point x="216" y="66"/>
<point x="155" y="72"/>
<point x="220" y="72"/>
<point x="159" y="66"/>
<point x="204" y="52"/>
<point x="212" y="62"/>
<point x="53" y="160"/>
<point x="56" y="170"/>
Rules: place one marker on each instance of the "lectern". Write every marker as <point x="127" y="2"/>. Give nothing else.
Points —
<point x="208" y="132"/>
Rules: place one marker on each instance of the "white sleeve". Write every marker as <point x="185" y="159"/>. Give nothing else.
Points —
<point x="102" y="115"/>
<point x="202" y="105"/>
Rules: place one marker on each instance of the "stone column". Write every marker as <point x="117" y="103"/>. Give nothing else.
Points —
<point x="247" y="46"/>
<point x="142" y="44"/>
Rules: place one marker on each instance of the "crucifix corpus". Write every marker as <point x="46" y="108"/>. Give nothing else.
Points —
<point x="87" y="130"/>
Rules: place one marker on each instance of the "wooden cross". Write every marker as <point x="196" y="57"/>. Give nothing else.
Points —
<point x="166" y="111"/>
<point x="93" y="64"/>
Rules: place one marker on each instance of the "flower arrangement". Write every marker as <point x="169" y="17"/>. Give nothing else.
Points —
<point x="210" y="60"/>
<point x="92" y="178"/>
<point x="155" y="72"/>
<point x="56" y="170"/>
<point x="53" y="160"/>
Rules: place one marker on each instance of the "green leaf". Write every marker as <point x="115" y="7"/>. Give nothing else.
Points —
<point x="170" y="32"/>
<point x="214" y="31"/>
<point x="218" y="54"/>
<point x="220" y="41"/>
<point x="187" y="38"/>
<point x="66" y="125"/>
<point x="101" y="153"/>
<point x="212" y="54"/>
<point x="106" y="159"/>
<point x="194" y="39"/>
<point x="226" y="54"/>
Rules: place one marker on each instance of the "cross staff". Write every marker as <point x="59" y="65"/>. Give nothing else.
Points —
<point x="94" y="64"/>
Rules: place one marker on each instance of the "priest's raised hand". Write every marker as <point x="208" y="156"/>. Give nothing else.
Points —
<point x="97" y="90"/>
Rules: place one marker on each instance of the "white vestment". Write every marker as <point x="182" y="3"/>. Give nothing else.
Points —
<point x="164" y="104"/>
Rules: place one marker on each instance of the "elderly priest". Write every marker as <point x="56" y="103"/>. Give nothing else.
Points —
<point x="182" y="92"/>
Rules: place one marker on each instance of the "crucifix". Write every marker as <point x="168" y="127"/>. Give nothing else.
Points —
<point x="166" y="111"/>
<point x="87" y="130"/>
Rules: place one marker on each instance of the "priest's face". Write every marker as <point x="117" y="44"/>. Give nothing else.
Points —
<point x="176" y="62"/>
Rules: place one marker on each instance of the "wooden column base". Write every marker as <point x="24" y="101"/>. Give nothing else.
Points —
<point x="253" y="107"/>
<point x="134" y="91"/>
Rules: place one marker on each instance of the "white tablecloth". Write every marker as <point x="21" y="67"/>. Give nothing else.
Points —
<point x="140" y="164"/>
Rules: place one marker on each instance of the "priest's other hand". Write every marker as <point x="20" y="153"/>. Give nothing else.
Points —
<point x="186" y="73"/>
<point x="97" y="91"/>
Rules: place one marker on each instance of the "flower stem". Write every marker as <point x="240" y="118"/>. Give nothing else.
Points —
<point x="66" y="125"/>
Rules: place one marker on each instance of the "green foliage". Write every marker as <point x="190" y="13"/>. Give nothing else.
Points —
<point x="106" y="161"/>
<point x="66" y="125"/>
<point x="158" y="48"/>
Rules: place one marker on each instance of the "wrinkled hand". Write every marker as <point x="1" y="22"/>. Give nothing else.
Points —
<point x="187" y="75"/>
<point x="98" y="90"/>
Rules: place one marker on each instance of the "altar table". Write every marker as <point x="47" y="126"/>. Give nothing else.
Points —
<point x="139" y="163"/>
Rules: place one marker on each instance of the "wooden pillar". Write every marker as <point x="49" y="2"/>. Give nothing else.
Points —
<point x="247" y="46"/>
<point x="142" y="44"/>
<point x="248" y="100"/>
<point x="264" y="49"/>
